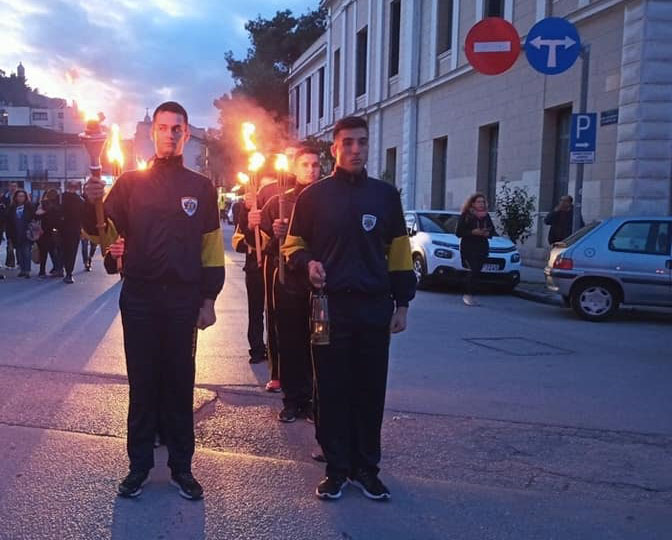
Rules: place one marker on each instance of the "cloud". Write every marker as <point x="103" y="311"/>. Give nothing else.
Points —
<point x="124" y="55"/>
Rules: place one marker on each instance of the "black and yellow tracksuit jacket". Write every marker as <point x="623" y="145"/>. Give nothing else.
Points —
<point x="354" y="225"/>
<point x="169" y="218"/>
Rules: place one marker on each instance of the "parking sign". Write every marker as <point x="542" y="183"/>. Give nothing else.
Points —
<point x="583" y="138"/>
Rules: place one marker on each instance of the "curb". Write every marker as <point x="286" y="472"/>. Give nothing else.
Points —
<point x="534" y="296"/>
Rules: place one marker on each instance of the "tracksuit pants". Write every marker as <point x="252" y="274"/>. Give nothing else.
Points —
<point x="351" y="381"/>
<point x="159" y="323"/>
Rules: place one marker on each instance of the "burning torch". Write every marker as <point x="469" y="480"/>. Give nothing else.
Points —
<point x="281" y="166"/>
<point x="93" y="139"/>
<point x="256" y="162"/>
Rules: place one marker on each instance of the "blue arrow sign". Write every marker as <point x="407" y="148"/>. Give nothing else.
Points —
<point x="552" y="45"/>
<point x="582" y="140"/>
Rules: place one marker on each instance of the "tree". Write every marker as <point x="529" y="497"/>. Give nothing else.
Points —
<point x="515" y="210"/>
<point x="324" y="151"/>
<point x="275" y="44"/>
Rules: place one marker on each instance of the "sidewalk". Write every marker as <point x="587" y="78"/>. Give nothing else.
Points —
<point x="532" y="287"/>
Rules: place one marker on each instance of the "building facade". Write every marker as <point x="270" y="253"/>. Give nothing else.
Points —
<point x="439" y="130"/>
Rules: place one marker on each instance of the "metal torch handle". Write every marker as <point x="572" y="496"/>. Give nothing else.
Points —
<point x="281" y="259"/>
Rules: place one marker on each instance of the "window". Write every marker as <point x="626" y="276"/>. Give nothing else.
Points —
<point x="410" y="224"/>
<point x="320" y="89"/>
<point x="362" y="51"/>
<point x="4" y="117"/>
<point x="651" y="237"/>
<point x="297" y="106"/>
<point x="391" y="166"/>
<point x="60" y="115"/>
<point x="40" y="116"/>
<point x="51" y="163"/>
<point x="563" y="123"/>
<point x="23" y="162"/>
<point x="38" y="164"/>
<point x="493" y="8"/>
<point x="72" y="162"/>
<point x="4" y="162"/>
<point x="309" y="98"/>
<point x="486" y="168"/>
<point x="337" y="78"/>
<point x="395" y="32"/>
<point x="439" y="165"/>
<point x="444" y="23"/>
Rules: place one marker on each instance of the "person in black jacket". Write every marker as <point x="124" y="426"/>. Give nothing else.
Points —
<point x="561" y="220"/>
<point x="474" y="228"/>
<point x="5" y="203"/>
<point x="50" y="214"/>
<point x="348" y="234"/>
<point x="173" y="269"/>
<point x="291" y="298"/>
<point x="19" y="216"/>
<point x="73" y="208"/>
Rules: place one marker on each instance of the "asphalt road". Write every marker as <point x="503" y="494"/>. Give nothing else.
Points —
<point x="510" y="420"/>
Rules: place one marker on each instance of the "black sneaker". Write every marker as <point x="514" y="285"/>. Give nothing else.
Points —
<point x="131" y="486"/>
<point x="331" y="488"/>
<point x="287" y="415"/>
<point x="258" y="359"/>
<point x="306" y="412"/>
<point x="318" y="455"/>
<point x="370" y="485"/>
<point x="68" y="279"/>
<point x="187" y="485"/>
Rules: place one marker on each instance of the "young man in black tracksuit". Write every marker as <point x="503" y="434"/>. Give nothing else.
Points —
<point x="291" y="298"/>
<point x="173" y="270"/>
<point x="348" y="234"/>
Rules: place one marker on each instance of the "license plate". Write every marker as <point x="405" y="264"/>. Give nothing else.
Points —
<point x="490" y="268"/>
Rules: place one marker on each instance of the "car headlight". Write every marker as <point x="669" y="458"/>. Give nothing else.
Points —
<point x="515" y="258"/>
<point x="443" y="253"/>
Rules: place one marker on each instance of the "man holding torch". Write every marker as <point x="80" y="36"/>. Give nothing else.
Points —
<point x="348" y="235"/>
<point x="173" y="272"/>
<point x="291" y="292"/>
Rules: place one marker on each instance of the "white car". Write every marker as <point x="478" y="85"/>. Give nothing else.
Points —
<point x="436" y="251"/>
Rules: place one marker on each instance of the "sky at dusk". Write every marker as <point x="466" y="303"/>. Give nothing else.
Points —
<point x="121" y="56"/>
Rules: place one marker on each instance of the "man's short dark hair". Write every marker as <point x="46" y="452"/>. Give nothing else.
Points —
<point x="174" y="107"/>
<point x="350" y="122"/>
<point x="306" y="149"/>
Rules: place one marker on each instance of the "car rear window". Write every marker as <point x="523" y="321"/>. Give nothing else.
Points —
<point x="574" y="238"/>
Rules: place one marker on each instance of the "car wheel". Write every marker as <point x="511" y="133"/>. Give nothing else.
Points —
<point x="594" y="300"/>
<point x="420" y="270"/>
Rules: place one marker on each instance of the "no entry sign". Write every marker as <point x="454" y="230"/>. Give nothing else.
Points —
<point x="492" y="46"/>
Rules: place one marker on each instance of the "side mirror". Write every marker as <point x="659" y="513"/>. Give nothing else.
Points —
<point x="411" y="232"/>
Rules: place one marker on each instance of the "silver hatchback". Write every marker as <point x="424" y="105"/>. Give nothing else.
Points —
<point x="621" y="260"/>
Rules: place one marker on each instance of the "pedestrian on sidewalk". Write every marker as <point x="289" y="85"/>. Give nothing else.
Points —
<point x="73" y="209"/>
<point x="6" y="202"/>
<point x="291" y="299"/>
<point x="88" y="251"/>
<point x="474" y="228"/>
<point x="561" y="220"/>
<point x="348" y="234"/>
<point x="173" y="271"/>
<point x="50" y="214"/>
<point x="21" y="213"/>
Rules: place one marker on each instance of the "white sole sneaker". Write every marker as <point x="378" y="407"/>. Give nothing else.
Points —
<point x="184" y="494"/>
<point x="368" y="494"/>
<point x="329" y="496"/>
<point x="469" y="300"/>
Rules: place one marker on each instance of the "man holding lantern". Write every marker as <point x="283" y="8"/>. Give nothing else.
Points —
<point x="173" y="265"/>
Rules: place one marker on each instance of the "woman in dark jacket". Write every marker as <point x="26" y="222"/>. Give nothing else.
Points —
<point x="50" y="215"/>
<point x="20" y="215"/>
<point x="474" y="228"/>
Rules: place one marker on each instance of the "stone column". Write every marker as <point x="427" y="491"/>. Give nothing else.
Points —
<point x="643" y="183"/>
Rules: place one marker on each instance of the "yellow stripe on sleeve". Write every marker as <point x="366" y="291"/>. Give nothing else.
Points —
<point x="399" y="255"/>
<point x="292" y="244"/>
<point x="236" y="239"/>
<point x="212" y="249"/>
<point x="109" y="236"/>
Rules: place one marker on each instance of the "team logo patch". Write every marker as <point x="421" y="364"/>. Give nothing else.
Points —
<point x="189" y="205"/>
<point x="369" y="222"/>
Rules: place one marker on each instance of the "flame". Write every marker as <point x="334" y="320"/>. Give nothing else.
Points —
<point x="256" y="162"/>
<point x="89" y="115"/>
<point x="243" y="178"/>
<point x="114" y="153"/>
<point x="248" y="131"/>
<point x="141" y="164"/>
<point x="281" y="163"/>
<point x="235" y="188"/>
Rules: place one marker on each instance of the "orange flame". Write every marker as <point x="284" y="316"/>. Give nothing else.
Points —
<point x="243" y="178"/>
<point x="114" y="153"/>
<point x="256" y="162"/>
<point x="88" y="114"/>
<point x="249" y="129"/>
<point x="141" y="164"/>
<point x="281" y="163"/>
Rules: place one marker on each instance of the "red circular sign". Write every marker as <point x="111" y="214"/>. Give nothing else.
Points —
<point x="492" y="46"/>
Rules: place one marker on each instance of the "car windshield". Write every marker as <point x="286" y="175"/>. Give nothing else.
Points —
<point x="438" y="223"/>
<point x="574" y="238"/>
